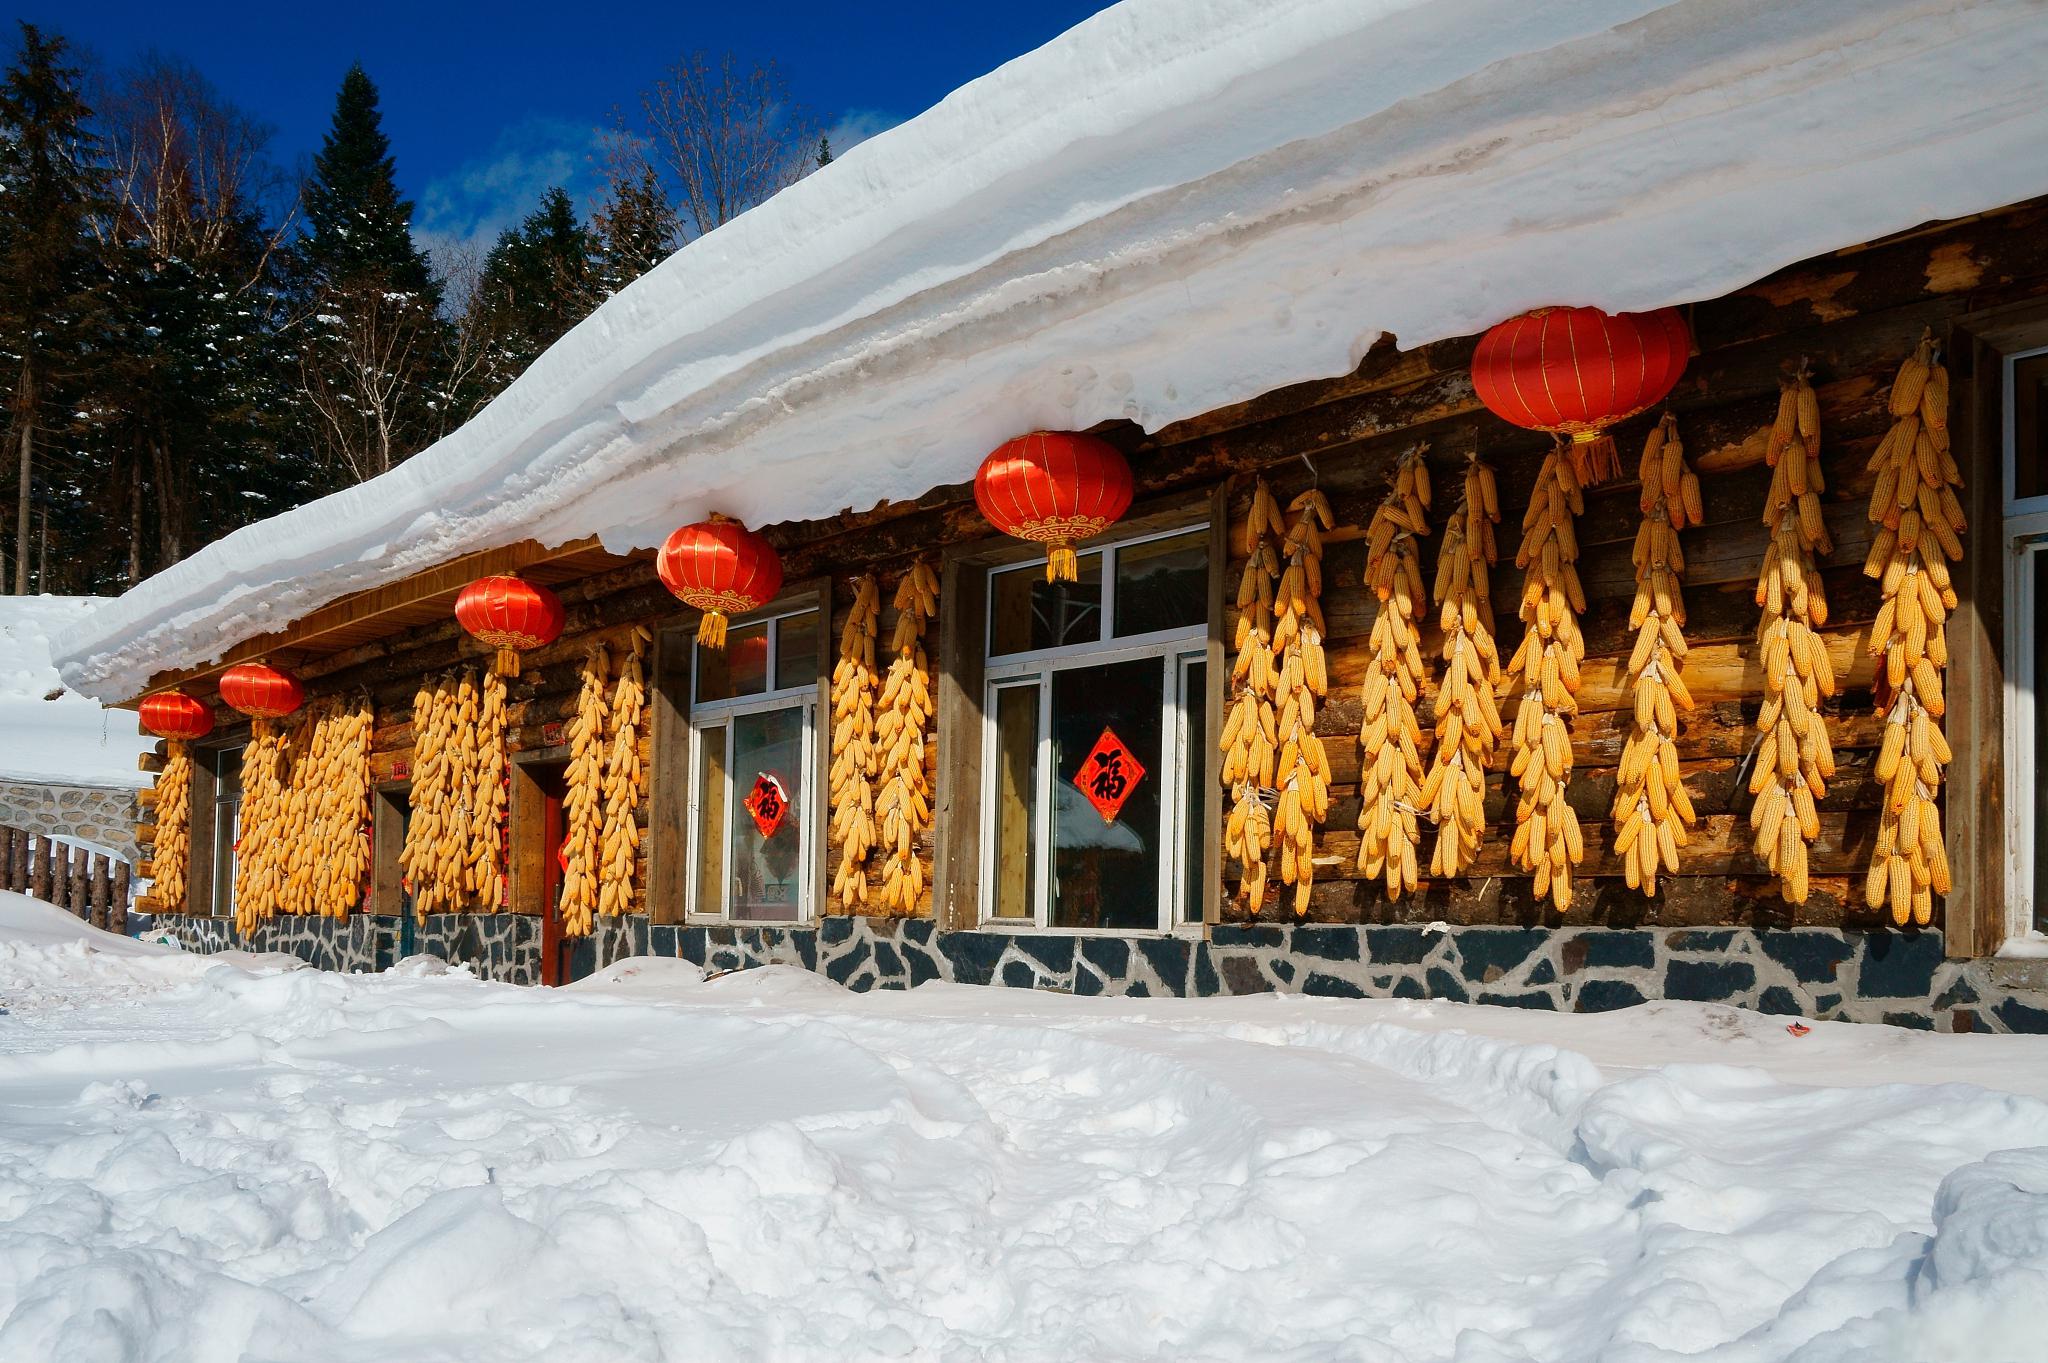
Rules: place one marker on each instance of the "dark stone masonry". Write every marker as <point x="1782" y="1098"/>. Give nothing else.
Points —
<point x="1896" y="978"/>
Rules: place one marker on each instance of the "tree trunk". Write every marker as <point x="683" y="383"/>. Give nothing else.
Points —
<point x="134" y="521"/>
<point x="28" y="433"/>
<point x="169" y="538"/>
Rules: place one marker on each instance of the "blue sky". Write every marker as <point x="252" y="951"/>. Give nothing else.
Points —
<point x="487" y="105"/>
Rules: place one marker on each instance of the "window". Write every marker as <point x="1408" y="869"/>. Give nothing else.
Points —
<point x="2026" y="594"/>
<point x="1093" y="759"/>
<point x="753" y="724"/>
<point x="227" y="826"/>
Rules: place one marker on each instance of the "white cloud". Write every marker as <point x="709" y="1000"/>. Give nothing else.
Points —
<point x="856" y="126"/>
<point x="463" y="212"/>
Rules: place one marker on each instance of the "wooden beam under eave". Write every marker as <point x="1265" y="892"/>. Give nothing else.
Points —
<point x="304" y="635"/>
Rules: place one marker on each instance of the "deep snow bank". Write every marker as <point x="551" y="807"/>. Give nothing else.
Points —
<point x="1177" y="205"/>
<point x="304" y="1166"/>
<point x="72" y="740"/>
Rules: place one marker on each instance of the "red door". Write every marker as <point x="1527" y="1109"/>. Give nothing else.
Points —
<point x="554" y="943"/>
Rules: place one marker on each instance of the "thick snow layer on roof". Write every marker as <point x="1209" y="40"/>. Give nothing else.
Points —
<point x="1177" y="205"/>
<point x="70" y="740"/>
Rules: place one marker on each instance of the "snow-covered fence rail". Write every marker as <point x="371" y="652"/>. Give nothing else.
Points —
<point x="89" y="884"/>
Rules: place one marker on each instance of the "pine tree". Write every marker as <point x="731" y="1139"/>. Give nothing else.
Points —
<point x="539" y="280"/>
<point x="636" y="229"/>
<point x="374" y="375"/>
<point x="824" y="151"/>
<point x="50" y="185"/>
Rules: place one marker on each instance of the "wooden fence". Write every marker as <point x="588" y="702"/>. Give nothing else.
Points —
<point x="89" y="884"/>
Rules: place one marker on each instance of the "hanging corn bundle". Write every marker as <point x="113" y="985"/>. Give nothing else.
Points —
<point x="327" y="803"/>
<point x="583" y="801"/>
<point x="1546" y="666"/>
<point x="851" y="781"/>
<point x="262" y="846"/>
<point x="1793" y="756"/>
<point x="904" y="804"/>
<point x="1920" y="525"/>
<point x="488" y="782"/>
<point x="172" y="855"/>
<point x="1653" y="815"/>
<point x="1303" y="772"/>
<point x="435" y="833"/>
<point x="1250" y="730"/>
<point x="1390" y="735"/>
<point x="1468" y="726"/>
<point x="619" y="843"/>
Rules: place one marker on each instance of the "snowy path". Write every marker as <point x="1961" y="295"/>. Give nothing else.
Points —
<point x="204" y="1162"/>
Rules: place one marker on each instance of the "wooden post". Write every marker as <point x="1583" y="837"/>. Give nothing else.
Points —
<point x="100" y="888"/>
<point x="7" y="874"/>
<point x="39" y="883"/>
<point x="117" y="913"/>
<point x="76" y="890"/>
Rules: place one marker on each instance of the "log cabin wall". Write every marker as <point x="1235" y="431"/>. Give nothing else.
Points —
<point x="1853" y="315"/>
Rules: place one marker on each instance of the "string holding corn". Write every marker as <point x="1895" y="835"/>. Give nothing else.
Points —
<point x="1468" y="724"/>
<point x="1390" y="735"/>
<point x="261" y="844"/>
<point x="851" y="780"/>
<point x="904" y="805"/>
<point x="1653" y="815"/>
<point x="1302" y="772"/>
<point x="1793" y="756"/>
<point x="583" y="795"/>
<point x="172" y="855"/>
<point x="624" y="780"/>
<point x="1920" y="521"/>
<point x="1547" y="839"/>
<point x="1250" y="741"/>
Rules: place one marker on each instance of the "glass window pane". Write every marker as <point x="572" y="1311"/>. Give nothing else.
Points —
<point x="710" y="838"/>
<point x="2030" y="426"/>
<point x="1027" y="613"/>
<point x="1194" y="837"/>
<point x="740" y="669"/>
<point x="796" y="651"/>
<point x="1016" y="800"/>
<point x="1162" y="584"/>
<point x="227" y="770"/>
<point x="1106" y="872"/>
<point x="768" y="867"/>
<point x="227" y="831"/>
<point x="2039" y="644"/>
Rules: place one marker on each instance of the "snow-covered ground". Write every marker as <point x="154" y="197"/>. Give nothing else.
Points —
<point x="211" y="1160"/>
<point x="71" y="740"/>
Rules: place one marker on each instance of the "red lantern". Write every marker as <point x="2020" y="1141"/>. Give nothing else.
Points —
<point x="509" y="614"/>
<point x="721" y="568"/>
<point x="175" y="715"/>
<point x="1576" y="371"/>
<point x="261" y="691"/>
<point x="1054" y="487"/>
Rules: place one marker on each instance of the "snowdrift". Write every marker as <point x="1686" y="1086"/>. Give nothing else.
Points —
<point x="1175" y="206"/>
<point x="71" y="740"/>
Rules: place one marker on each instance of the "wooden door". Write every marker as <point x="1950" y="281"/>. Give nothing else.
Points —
<point x="555" y="945"/>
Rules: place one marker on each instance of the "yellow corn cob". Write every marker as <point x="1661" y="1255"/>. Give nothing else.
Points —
<point x="1390" y="770"/>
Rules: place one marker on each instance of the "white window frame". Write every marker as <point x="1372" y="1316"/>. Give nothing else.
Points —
<point x="719" y="715"/>
<point x="2025" y="533"/>
<point x="1176" y="650"/>
<point x="221" y="898"/>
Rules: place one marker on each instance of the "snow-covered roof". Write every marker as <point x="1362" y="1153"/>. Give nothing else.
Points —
<point x="1174" y="206"/>
<point x="49" y="736"/>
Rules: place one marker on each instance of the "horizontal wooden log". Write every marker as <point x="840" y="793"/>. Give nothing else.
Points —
<point x="146" y="833"/>
<point x="148" y="761"/>
<point x="146" y="797"/>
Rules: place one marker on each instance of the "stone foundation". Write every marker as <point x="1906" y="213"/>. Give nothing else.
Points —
<point x="100" y="815"/>
<point x="1897" y="978"/>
